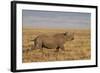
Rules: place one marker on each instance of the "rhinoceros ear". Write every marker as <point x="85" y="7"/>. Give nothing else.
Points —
<point x="65" y="33"/>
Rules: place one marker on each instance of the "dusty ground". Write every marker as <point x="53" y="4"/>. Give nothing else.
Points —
<point x="78" y="49"/>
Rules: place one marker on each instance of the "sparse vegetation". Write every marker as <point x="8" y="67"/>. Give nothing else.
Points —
<point x="78" y="49"/>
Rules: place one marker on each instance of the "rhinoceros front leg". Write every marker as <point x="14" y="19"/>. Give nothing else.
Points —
<point x="62" y="47"/>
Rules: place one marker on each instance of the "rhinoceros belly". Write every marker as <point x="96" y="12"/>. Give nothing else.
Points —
<point x="50" y="44"/>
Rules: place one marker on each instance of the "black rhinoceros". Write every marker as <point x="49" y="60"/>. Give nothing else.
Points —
<point x="55" y="41"/>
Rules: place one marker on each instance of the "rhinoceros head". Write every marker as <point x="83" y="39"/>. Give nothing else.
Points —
<point x="69" y="36"/>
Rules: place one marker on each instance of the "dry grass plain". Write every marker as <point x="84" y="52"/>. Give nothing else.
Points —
<point x="78" y="49"/>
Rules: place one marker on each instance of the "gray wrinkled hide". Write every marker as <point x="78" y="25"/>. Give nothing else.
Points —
<point x="52" y="42"/>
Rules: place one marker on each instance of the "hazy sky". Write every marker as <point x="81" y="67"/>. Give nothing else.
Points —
<point x="55" y="19"/>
